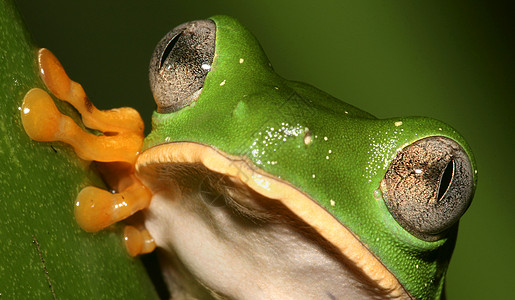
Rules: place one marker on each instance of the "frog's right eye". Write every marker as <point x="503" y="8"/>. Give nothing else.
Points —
<point x="180" y="64"/>
<point x="429" y="186"/>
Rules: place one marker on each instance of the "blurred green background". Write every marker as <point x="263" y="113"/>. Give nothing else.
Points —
<point x="450" y="60"/>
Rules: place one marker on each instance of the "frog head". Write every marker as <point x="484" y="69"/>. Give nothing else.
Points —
<point x="270" y="188"/>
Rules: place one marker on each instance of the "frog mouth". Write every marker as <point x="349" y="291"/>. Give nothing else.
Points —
<point x="242" y="171"/>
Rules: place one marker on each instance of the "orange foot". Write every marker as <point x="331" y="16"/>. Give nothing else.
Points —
<point x="115" y="151"/>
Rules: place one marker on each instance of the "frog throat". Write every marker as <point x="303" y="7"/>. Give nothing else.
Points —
<point x="299" y="203"/>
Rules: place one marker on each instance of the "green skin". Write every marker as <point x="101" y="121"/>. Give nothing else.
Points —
<point x="242" y="101"/>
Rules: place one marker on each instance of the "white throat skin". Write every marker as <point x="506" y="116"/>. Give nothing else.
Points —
<point x="219" y="239"/>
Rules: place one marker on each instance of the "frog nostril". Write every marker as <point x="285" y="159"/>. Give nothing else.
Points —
<point x="169" y="49"/>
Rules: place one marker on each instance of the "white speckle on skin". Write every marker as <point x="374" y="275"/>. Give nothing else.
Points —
<point x="307" y="138"/>
<point x="206" y="67"/>
<point x="416" y="266"/>
<point x="418" y="171"/>
<point x="222" y="83"/>
<point x="325" y="138"/>
<point x="382" y="144"/>
<point x="332" y="202"/>
<point x="271" y="137"/>
<point x="313" y="175"/>
<point x="398" y="123"/>
<point x="26" y="110"/>
<point x="241" y="60"/>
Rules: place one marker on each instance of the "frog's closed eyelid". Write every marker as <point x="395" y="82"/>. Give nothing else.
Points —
<point x="429" y="186"/>
<point x="180" y="64"/>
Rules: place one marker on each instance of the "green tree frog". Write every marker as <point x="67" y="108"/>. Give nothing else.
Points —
<point x="252" y="186"/>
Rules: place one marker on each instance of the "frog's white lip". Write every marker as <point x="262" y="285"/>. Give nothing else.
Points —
<point x="297" y="201"/>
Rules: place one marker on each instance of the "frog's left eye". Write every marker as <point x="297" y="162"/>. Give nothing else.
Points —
<point x="428" y="186"/>
<point x="180" y="64"/>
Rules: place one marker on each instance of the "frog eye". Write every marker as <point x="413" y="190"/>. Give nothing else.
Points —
<point x="429" y="186"/>
<point x="180" y="63"/>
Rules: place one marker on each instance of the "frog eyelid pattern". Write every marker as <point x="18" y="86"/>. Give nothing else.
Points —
<point x="180" y="63"/>
<point x="169" y="48"/>
<point x="428" y="186"/>
<point x="446" y="179"/>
